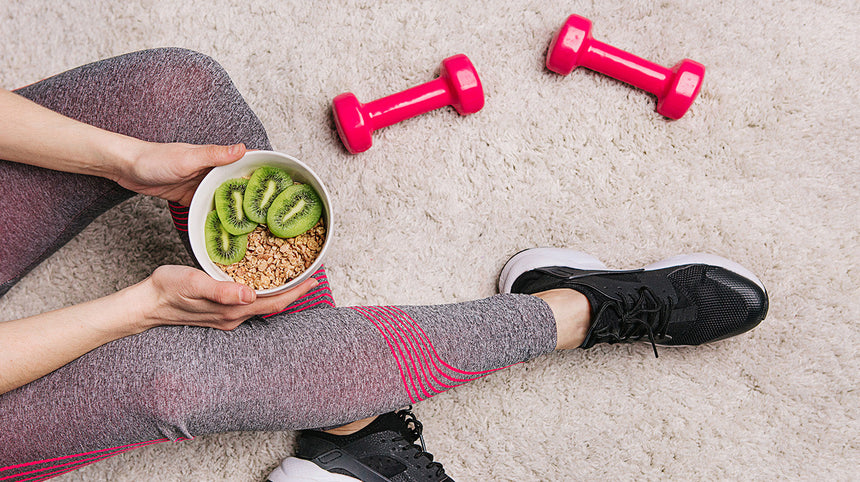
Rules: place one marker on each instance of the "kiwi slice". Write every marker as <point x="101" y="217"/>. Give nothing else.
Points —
<point x="263" y="187"/>
<point x="223" y="247"/>
<point x="294" y="211"/>
<point x="228" y="203"/>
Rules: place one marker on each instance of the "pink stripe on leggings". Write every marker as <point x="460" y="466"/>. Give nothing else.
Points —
<point x="393" y="353"/>
<point x="72" y="466"/>
<point x="395" y="312"/>
<point x="78" y="462"/>
<point x="413" y="353"/>
<point x="423" y="351"/>
<point x="485" y="372"/>
<point x="425" y="342"/>
<point x="401" y="346"/>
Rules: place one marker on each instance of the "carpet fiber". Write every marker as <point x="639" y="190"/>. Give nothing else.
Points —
<point x="763" y="169"/>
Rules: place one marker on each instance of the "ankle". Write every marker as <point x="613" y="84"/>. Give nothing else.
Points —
<point x="572" y="314"/>
<point x="351" y="427"/>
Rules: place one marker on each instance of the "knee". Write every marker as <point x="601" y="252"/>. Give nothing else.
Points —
<point x="172" y="76"/>
<point x="166" y="400"/>
<point x="193" y="70"/>
<point x="188" y="87"/>
<point x="182" y="60"/>
<point x="186" y="96"/>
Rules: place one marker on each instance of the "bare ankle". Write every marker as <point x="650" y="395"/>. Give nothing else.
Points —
<point x="572" y="314"/>
<point x="351" y="427"/>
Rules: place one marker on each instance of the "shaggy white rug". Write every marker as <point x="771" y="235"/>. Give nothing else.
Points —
<point x="763" y="169"/>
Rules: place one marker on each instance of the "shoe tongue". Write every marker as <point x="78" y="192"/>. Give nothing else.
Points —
<point x="595" y="297"/>
<point x="389" y="421"/>
<point x="595" y="301"/>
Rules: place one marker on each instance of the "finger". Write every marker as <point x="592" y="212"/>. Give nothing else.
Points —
<point x="202" y="287"/>
<point x="222" y="155"/>
<point x="223" y="315"/>
<point x="271" y="304"/>
<point x="229" y="293"/>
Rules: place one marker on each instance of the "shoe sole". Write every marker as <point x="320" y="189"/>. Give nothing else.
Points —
<point x="294" y="469"/>
<point x="534" y="258"/>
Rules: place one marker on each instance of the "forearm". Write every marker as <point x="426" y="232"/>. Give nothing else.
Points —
<point x="33" y="347"/>
<point x="32" y="134"/>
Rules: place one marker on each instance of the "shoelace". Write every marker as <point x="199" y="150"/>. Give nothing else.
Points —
<point x="636" y="318"/>
<point x="413" y="430"/>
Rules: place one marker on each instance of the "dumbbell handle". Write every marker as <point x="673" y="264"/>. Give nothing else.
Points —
<point x="626" y="67"/>
<point x="408" y="103"/>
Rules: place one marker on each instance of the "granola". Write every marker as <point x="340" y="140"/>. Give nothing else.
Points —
<point x="272" y="261"/>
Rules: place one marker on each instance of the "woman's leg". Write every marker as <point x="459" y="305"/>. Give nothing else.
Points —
<point x="684" y="300"/>
<point x="312" y="368"/>
<point x="162" y="95"/>
<point x="329" y="366"/>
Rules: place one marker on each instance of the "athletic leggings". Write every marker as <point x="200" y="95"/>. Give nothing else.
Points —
<point x="312" y="365"/>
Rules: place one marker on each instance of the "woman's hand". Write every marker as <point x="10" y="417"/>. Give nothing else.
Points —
<point x="174" y="295"/>
<point x="32" y="134"/>
<point x="180" y="295"/>
<point x="173" y="171"/>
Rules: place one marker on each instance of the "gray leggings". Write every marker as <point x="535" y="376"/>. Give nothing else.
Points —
<point x="313" y="365"/>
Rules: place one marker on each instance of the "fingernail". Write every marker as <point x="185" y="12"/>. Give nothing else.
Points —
<point x="234" y="149"/>
<point x="314" y="283"/>
<point x="246" y="295"/>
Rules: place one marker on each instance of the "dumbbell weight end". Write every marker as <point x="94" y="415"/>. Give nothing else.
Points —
<point x="687" y="78"/>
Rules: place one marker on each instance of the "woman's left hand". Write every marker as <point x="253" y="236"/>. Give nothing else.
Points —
<point x="173" y="171"/>
<point x="181" y="295"/>
<point x="173" y="295"/>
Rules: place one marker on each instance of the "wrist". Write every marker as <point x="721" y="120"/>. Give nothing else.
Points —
<point x="128" y="311"/>
<point x="119" y="155"/>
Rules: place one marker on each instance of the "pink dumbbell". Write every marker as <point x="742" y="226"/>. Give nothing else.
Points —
<point x="458" y="85"/>
<point x="675" y="88"/>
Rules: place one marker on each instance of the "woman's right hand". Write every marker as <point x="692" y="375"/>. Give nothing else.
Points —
<point x="181" y="295"/>
<point x="172" y="171"/>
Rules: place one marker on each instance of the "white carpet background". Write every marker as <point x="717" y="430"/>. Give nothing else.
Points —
<point x="763" y="169"/>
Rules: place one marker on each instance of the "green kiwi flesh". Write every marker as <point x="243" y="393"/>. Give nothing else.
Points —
<point x="296" y="210"/>
<point x="228" y="202"/>
<point x="263" y="187"/>
<point x="223" y="247"/>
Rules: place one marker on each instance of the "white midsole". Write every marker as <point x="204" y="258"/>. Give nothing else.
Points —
<point x="293" y="469"/>
<point x="534" y="258"/>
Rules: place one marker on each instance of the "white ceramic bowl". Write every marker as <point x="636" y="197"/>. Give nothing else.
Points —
<point x="204" y="202"/>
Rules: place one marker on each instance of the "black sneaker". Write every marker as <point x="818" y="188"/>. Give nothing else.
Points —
<point x="382" y="451"/>
<point x="685" y="300"/>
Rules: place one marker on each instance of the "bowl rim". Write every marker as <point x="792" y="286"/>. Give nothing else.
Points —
<point x="203" y="202"/>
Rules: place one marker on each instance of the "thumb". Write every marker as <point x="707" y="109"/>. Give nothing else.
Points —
<point x="230" y="293"/>
<point x="222" y="155"/>
<point x="273" y="304"/>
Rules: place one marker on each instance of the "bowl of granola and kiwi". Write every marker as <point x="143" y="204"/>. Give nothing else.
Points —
<point x="264" y="221"/>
